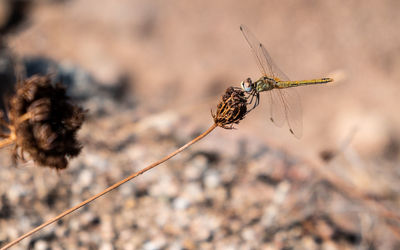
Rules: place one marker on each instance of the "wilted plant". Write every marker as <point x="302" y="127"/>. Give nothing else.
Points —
<point x="43" y="123"/>
<point x="231" y="110"/>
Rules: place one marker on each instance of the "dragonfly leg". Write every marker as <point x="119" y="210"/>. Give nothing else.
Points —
<point x="253" y="95"/>
<point x="257" y="100"/>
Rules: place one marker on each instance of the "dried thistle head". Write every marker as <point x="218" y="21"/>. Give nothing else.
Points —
<point x="44" y="123"/>
<point x="232" y="108"/>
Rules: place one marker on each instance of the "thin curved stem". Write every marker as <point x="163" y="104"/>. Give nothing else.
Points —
<point x="110" y="188"/>
<point x="12" y="136"/>
<point x="7" y="141"/>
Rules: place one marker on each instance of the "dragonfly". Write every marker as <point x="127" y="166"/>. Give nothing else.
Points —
<point x="285" y="103"/>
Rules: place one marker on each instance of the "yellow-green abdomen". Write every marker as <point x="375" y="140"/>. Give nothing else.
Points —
<point x="289" y="84"/>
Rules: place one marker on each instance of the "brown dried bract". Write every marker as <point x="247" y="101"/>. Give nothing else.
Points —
<point x="45" y="122"/>
<point x="232" y="108"/>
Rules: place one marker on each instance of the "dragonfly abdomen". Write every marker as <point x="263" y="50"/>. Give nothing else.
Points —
<point x="288" y="84"/>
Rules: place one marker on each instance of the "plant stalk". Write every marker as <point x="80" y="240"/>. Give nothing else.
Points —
<point x="12" y="137"/>
<point x="6" y="141"/>
<point x="114" y="186"/>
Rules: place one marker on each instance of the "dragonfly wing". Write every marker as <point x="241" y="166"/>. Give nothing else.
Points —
<point x="276" y="108"/>
<point x="263" y="59"/>
<point x="289" y="104"/>
<point x="285" y="104"/>
<point x="256" y="49"/>
<point x="274" y="70"/>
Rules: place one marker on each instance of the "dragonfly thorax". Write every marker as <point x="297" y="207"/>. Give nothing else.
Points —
<point x="265" y="83"/>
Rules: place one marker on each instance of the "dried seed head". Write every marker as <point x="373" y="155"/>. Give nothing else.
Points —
<point x="45" y="122"/>
<point x="232" y="108"/>
<point x="39" y="110"/>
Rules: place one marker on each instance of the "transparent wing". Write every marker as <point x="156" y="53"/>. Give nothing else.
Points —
<point x="255" y="47"/>
<point x="275" y="71"/>
<point x="285" y="104"/>
<point x="276" y="107"/>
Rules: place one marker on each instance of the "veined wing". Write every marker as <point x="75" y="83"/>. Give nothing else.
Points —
<point x="264" y="63"/>
<point x="255" y="47"/>
<point x="285" y="104"/>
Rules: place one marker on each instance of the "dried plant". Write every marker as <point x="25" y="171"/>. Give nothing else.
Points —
<point x="231" y="110"/>
<point x="43" y="122"/>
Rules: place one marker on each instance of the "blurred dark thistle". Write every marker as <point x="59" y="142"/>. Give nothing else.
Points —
<point x="43" y="122"/>
<point x="232" y="108"/>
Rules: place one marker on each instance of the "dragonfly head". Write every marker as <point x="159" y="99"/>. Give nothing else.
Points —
<point x="247" y="85"/>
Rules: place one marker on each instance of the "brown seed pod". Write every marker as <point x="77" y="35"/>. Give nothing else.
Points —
<point x="45" y="122"/>
<point x="232" y="108"/>
<point x="39" y="110"/>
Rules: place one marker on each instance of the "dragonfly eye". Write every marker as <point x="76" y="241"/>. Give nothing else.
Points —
<point x="247" y="85"/>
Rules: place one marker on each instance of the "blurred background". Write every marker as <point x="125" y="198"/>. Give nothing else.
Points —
<point x="150" y="71"/>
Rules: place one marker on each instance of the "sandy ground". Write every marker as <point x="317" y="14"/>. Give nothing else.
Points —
<point x="179" y="56"/>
